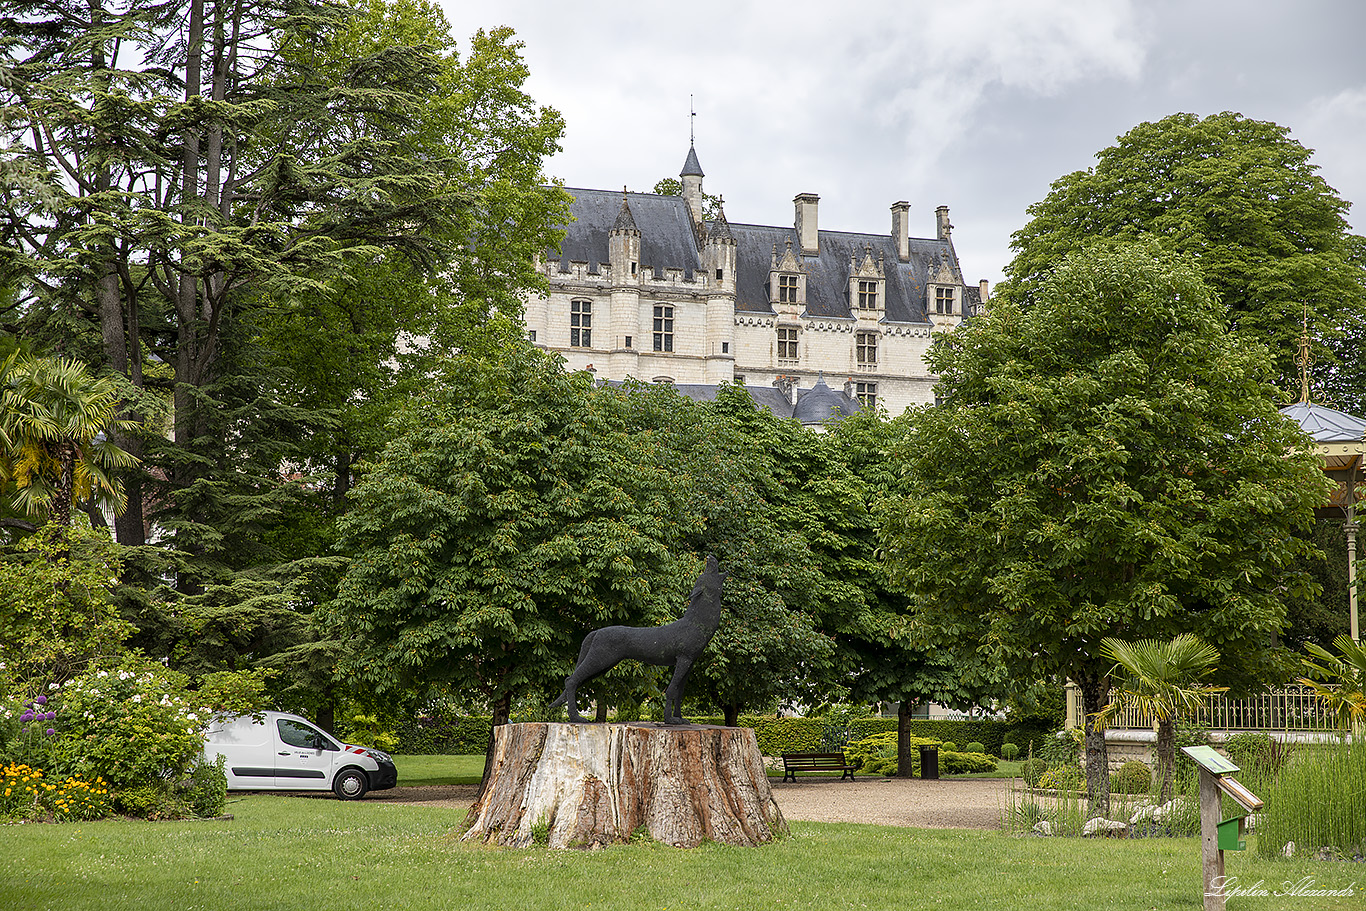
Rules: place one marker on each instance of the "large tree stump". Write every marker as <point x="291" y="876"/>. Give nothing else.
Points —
<point x="581" y="785"/>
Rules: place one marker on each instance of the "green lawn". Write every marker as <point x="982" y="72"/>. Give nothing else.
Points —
<point x="296" y="853"/>
<point x="428" y="770"/>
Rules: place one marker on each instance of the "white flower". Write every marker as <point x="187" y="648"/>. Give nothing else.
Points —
<point x="50" y="686"/>
<point x="192" y="716"/>
<point x="137" y="697"/>
<point x="102" y="674"/>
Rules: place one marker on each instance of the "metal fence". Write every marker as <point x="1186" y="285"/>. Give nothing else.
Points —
<point x="1288" y="708"/>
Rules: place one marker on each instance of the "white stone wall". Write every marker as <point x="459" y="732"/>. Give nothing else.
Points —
<point x="713" y="343"/>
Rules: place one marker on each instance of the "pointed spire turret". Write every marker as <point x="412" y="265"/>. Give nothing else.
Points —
<point x="625" y="220"/>
<point x="720" y="228"/>
<point x="691" y="167"/>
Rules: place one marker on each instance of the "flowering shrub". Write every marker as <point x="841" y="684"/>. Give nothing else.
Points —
<point x="21" y="796"/>
<point x="131" y="723"/>
<point x="26" y="794"/>
<point x="77" y="798"/>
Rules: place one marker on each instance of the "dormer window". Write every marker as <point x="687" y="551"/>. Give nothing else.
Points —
<point x="867" y="282"/>
<point x="943" y="301"/>
<point x="786" y="280"/>
<point x="867" y="295"/>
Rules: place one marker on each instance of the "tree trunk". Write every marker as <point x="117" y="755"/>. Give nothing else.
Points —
<point x="1166" y="755"/>
<point x="1094" y="690"/>
<point x="905" y="757"/>
<point x="584" y="785"/>
<point x="731" y="713"/>
<point x="502" y="708"/>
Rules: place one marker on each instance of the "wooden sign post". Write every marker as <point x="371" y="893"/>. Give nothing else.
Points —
<point x="1215" y="779"/>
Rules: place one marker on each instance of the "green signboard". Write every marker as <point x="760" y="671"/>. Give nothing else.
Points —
<point x="1210" y="759"/>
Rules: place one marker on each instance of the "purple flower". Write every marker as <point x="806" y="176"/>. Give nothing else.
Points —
<point x="49" y="716"/>
<point x="26" y="717"/>
<point x="41" y="700"/>
<point x="50" y="732"/>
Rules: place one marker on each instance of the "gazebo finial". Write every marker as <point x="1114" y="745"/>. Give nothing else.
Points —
<point x="1304" y="358"/>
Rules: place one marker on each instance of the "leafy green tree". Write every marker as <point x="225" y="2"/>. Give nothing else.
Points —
<point x="878" y="655"/>
<point x="58" y="614"/>
<point x="1161" y="678"/>
<point x="1241" y="198"/>
<point x="743" y="470"/>
<point x="254" y="157"/>
<point x="273" y="221"/>
<point x="1108" y="461"/>
<point x="511" y="512"/>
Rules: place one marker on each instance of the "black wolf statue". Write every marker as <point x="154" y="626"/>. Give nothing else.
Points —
<point x="678" y="644"/>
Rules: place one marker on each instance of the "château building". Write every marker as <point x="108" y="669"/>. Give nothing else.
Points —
<point x="645" y="286"/>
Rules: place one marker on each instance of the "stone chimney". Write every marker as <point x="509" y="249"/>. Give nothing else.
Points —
<point x="983" y="287"/>
<point x="787" y="385"/>
<point x="806" y="223"/>
<point x="901" y="229"/>
<point x="941" y="218"/>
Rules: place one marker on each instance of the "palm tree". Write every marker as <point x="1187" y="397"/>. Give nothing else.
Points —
<point x="1345" y="691"/>
<point x="1160" y="678"/>
<point x="54" y="450"/>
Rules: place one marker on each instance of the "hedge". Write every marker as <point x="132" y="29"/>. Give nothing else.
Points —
<point x="469" y="734"/>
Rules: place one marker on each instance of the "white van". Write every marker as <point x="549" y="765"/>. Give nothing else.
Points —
<point x="284" y="752"/>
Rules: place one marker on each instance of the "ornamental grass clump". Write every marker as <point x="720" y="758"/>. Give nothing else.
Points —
<point x="1318" y="801"/>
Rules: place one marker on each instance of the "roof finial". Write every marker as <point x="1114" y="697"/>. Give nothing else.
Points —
<point x="692" y="122"/>
<point x="1304" y="358"/>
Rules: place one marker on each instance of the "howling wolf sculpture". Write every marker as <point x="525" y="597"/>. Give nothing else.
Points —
<point x="678" y="643"/>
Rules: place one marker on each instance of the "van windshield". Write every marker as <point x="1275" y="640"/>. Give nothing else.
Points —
<point x="303" y="736"/>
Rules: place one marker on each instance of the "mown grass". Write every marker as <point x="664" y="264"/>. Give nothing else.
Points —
<point x="291" y="853"/>
<point x="434" y="770"/>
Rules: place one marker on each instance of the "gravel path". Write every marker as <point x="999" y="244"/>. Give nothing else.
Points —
<point x="964" y="803"/>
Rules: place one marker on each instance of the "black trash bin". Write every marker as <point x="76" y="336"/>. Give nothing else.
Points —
<point x="929" y="762"/>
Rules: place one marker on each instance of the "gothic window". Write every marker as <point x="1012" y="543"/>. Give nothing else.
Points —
<point x="581" y="324"/>
<point x="943" y="300"/>
<point x="865" y="349"/>
<point x="866" y="393"/>
<point x="787" y="289"/>
<point x="787" y="344"/>
<point x="867" y="295"/>
<point x="664" y="328"/>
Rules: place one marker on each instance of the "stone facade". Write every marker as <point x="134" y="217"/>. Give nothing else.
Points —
<point x="643" y="286"/>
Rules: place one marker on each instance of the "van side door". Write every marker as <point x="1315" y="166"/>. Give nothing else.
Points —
<point x="303" y="756"/>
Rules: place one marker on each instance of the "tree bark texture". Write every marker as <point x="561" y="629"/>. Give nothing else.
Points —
<point x="585" y="785"/>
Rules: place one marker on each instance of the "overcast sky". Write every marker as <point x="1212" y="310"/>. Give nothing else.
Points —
<point x="974" y="104"/>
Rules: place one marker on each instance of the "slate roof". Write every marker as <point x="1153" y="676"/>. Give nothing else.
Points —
<point x="827" y="273"/>
<point x="666" y="234"/>
<point x="818" y="405"/>
<point x="667" y="242"/>
<point x="691" y="167"/>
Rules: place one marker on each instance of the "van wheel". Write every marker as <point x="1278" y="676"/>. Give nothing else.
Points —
<point x="350" y="784"/>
